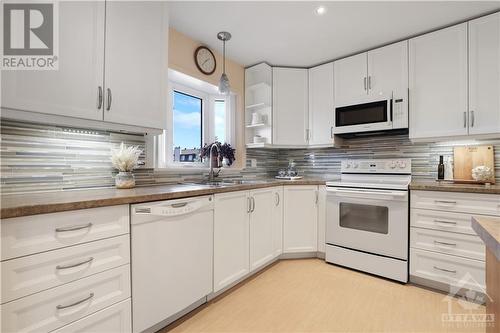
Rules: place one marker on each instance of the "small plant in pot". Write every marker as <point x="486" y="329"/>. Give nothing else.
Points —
<point x="125" y="159"/>
<point x="226" y="153"/>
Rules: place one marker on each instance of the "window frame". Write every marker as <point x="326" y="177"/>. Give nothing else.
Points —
<point x="165" y="144"/>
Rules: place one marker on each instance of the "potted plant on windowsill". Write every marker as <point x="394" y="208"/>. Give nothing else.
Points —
<point x="125" y="159"/>
<point x="226" y="153"/>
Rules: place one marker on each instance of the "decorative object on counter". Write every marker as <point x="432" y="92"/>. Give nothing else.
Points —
<point x="441" y="168"/>
<point x="482" y="173"/>
<point x="466" y="158"/>
<point x="448" y="168"/>
<point x="290" y="173"/>
<point x="225" y="152"/>
<point x="224" y="87"/>
<point x="125" y="159"/>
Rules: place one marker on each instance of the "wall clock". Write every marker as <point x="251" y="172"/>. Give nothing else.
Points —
<point x="205" y="60"/>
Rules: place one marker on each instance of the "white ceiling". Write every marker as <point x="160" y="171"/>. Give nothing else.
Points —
<point x="291" y="34"/>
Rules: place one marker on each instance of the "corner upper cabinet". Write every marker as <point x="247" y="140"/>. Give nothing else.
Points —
<point x="73" y="90"/>
<point x="290" y="104"/>
<point x="484" y="75"/>
<point x="438" y="83"/>
<point x="136" y="63"/>
<point x="321" y="105"/>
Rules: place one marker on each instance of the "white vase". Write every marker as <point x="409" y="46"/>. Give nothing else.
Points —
<point x="124" y="180"/>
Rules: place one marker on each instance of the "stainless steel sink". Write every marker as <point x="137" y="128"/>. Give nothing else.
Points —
<point x="228" y="182"/>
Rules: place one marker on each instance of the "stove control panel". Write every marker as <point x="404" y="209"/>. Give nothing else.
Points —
<point x="387" y="166"/>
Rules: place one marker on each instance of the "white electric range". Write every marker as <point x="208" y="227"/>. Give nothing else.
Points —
<point x="367" y="217"/>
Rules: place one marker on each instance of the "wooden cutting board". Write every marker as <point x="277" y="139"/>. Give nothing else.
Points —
<point x="466" y="158"/>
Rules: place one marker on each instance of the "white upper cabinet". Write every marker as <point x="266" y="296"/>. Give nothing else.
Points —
<point x="290" y="104"/>
<point x="484" y="75"/>
<point x="321" y="105"/>
<point x="136" y="63"/>
<point x="121" y="81"/>
<point x="388" y="78"/>
<point x="438" y="83"/>
<point x="261" y="227"/>
<point x="73" y="90"/>
<point x="388" y="71"/>
<point x="351" y="81"/>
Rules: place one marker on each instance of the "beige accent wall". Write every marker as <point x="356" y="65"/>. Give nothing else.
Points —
<point x="181" y="58"/>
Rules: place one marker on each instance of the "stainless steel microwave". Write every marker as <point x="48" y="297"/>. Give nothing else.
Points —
<point x="379" y="115"/>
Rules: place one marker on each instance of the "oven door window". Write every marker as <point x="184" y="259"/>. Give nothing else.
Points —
<point x="364" y="217"/>
<point x="368" y="113"/>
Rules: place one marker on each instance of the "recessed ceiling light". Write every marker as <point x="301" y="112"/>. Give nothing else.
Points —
<point x="320" y="10"/>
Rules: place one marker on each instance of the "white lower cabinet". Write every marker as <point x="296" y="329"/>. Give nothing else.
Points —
<point x="278" y="221"/>
<point x="115" y="318"/>
<point x="261" y="227"/>
<point x="445" y="253"/>
<point x="300" y="219"/>
<point x="231" y="238"/>
<point x="67" y="272"/>
<point x="56" y="307"/>
<point x="248" y="230"/>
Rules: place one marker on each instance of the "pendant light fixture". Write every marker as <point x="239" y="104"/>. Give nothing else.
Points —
<point x="224" y="87"/>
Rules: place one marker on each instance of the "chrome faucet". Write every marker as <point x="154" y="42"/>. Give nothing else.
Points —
<point x="212" y="174"/>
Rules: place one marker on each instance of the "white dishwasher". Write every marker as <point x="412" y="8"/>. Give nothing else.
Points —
<point x="172" y="253"/>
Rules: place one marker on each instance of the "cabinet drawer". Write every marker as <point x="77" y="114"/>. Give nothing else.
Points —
<point x="32" y="234"/>
<point x="114" y="319"/>
<point x="455" y="271"/>
<point x="440" y="220"/>
<point x="468" y="246"/>
<point x="488" y="204"/>
<point x="56" y="307"/>
<point x="27" y="275"/>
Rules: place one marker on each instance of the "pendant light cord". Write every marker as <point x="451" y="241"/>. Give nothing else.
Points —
<point x="223" y="56"/>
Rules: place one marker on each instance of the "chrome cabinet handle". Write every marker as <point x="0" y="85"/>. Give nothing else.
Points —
<point x="307" y="134"/>
<point x="364" y="82"/>
<point x="445" y="202"/>
<point x="249" y="205"/>
<point x="179" y="205"/>
<point x="317" y="197"/>
<point x="99" y="98"/>
<point x="472" y="119"/>
<point x="444" y="270"/>
<point x="331" y="132"/>
<point x="110" y="99"/>
<point x="74" y="227"/>
<point x="277" y="195"/>
<point x="253" y="205"/>
<point x="445" y="222"/>
<point x="465" y="119"/>
<point x="369" y="82"/>
<point x="444" y="243"/>
<point x="60" y="307"/>
<point x="75" y="265"/>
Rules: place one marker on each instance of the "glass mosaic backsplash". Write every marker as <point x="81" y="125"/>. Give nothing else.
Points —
<point x="38" y="158"/>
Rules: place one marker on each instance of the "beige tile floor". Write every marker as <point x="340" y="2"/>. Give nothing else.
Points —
<point x="310" y="295"/>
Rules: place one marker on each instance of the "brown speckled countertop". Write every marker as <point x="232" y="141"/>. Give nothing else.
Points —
<point x="447" y="186"/>
<point x="488" y="229"/>
<point x="42" y="203"/>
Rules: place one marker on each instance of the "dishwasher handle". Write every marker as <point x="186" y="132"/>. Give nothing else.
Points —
<point x="173" y="207"/>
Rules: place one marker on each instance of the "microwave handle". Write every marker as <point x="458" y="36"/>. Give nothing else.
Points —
<point x="391" y="107"/>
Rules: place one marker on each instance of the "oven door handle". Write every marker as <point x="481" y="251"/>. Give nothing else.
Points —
<point x="364" y="193"/>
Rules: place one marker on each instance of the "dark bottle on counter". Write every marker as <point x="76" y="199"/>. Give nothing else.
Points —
<point x="441" y="168"/>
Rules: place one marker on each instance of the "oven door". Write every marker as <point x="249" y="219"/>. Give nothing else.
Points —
<point x="366" y="117"/>
<point x="374" y="221"/>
